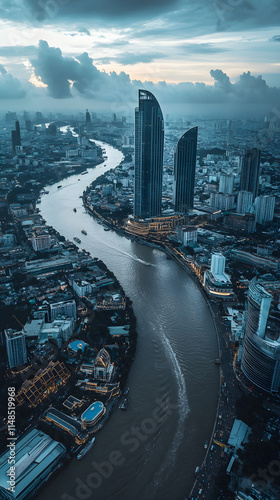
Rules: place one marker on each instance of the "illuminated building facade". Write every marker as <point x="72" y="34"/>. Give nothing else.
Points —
<point x="67" y="424"/>
<point x="155" y="226"/>
<point x="103" y="369"/>
<point x="45" y="382"/>
<point x="149" y="137"/>
<point x="184" y="171"/>
<point x="216" y="282"/>
<point x="260" y="360"/>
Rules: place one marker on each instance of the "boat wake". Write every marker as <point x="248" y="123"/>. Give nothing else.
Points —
<point x="183" y="407"/>
<point x="127" y="254"/>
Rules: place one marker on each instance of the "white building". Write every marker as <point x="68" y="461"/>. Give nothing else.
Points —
<point x="216" y="282"/>
<point x="58" y="329"/>
<point x="222" y="201"/>
<point x="41" y="242"/>
<point x="264" y="208"/>
<point x="218" y="262"/>
<point x="226" y="183"/>
<point x="244" y="202"/>
<point x="187" y="235"/>
<point x="82" y="287"/>
<point x="16" y="348"/>
<point x="66" y="308"/>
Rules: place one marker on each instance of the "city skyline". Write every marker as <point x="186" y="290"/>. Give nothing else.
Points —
<point x="140" y="249"/>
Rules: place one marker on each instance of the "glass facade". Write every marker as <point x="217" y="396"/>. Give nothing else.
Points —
<point x="250" y="171"/>
<point x="260" y="356"/>
<point x="184" y="171"/>
<point x="149" y="137"/>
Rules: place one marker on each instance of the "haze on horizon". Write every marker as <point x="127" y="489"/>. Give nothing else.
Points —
<point x="218" y="58"/>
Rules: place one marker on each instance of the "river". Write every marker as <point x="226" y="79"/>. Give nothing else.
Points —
<point x="144" y="453"/>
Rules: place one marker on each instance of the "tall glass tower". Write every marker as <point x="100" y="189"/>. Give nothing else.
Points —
<point x="250" y="171"/>
<point x="260" y="361"/>
<point x="184" y="170"/>
<point x="149" y="137"/>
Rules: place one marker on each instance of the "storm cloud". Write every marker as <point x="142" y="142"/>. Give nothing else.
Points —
<point x="68" y="77"/>
<point x="10" y="87"/>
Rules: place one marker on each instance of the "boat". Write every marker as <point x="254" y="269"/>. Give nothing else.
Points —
<point x="59" y="186"/>
<point x="217" y="361"/>
<point x="196" y="470"/>
<point x="84" y="173"/>
<point x="74" y="210"/>
<point x="77" y="239"/>
<point x="83" y="231"/>
<point x="86" y="449"/>
<point x="206" y="445"/>
<point x="125" y="393"/>
<point x="106" y="229"/>
<point x="123" y="406"/>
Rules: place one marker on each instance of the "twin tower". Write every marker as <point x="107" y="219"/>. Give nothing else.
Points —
<point x="149" y="142"/>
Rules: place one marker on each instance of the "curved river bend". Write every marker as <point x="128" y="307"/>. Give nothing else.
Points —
<point x="155" y="452"/>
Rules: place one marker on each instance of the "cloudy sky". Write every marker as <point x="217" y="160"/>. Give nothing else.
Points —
<point x="57" y="54"/>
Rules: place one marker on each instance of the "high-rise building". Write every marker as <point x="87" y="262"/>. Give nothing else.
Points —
<point x="226" y="183"/>
<point x="250" y="171"/>
<point x="244" y="202"/>
<point x="218" y="263"/>
<point x="260" y="360"/>
<point x="16" y="348"/>
<point x="264" y="208"/>
<point x="222" y="201"/>
<point x="149" y="137"/>
<point x="184" y="170"/>
<point x="28" y="125"/>
<point x="88" y="119"/>
<point x="16" y="139"/>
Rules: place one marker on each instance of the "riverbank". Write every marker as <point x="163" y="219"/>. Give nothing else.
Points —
<point x="122" y="350"/>
<point x="225" y="413"/>
<point x="164" y="301"/>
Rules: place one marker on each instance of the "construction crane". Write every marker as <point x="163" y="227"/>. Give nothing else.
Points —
<point x="17" y="320"/>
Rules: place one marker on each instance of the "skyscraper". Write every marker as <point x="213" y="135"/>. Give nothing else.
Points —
<point x="260" y="361"/>
<point x="149" y="137"/>
<point x="184" y="170"/>
<point x="16" y="140"/>
<point x="16" y="348"/>
<point x="250" y="171"/>
<point x="88" y="119"/>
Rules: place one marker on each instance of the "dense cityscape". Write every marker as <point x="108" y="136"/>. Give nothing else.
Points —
<point x="206" y="192"/>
